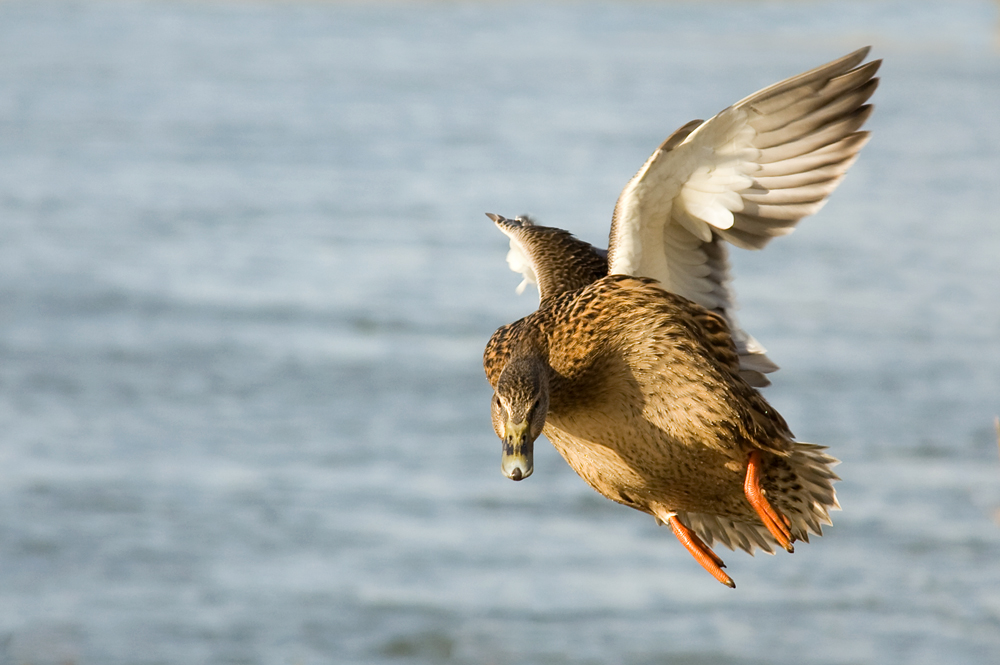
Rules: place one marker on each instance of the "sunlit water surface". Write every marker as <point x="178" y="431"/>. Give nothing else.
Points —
<point x="245" y="282"/>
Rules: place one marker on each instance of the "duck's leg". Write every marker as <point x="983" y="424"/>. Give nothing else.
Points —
<point x="775" y="522"/>
<point x="701" y="552"/>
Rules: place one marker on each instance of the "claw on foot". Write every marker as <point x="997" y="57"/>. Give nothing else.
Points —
<point x="775" y="522"/>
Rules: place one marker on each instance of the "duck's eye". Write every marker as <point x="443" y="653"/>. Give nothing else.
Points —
<point x="496" y="401"/>
<point x="534" y="405"/>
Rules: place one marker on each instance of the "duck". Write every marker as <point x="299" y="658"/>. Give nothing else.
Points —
<point x="634" y="365"/>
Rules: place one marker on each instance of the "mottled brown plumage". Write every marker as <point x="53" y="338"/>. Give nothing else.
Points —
<point x="555" y="260"/>
<point x="645" y="402"/>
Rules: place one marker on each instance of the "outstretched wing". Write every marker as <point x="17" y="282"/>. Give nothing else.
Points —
<point x="550" y="257"/>
<point x="745" y="176"/>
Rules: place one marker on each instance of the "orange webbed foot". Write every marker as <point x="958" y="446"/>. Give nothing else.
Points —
<point x="701" y="552"/>
<point x="776" y="523"/>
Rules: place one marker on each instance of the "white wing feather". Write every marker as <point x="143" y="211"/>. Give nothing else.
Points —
<point x="745" y="176"/>
<point x="518" y="261"/>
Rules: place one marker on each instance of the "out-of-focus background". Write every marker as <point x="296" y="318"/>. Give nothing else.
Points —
<point x="246" y="279"/>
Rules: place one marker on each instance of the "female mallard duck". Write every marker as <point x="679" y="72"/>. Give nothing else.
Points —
<point x="633" y="365"/>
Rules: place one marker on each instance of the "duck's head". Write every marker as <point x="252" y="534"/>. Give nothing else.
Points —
<point x="520" y="403"/>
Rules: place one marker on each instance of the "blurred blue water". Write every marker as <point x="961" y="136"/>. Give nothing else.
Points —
<point x="245" y="282"/>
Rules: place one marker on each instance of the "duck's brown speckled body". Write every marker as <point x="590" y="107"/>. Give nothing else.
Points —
<point x="647" y="405"/>
<point x="633" y="365"/>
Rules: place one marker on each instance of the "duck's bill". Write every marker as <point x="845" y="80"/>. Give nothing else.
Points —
<point x="518" y="452"/>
